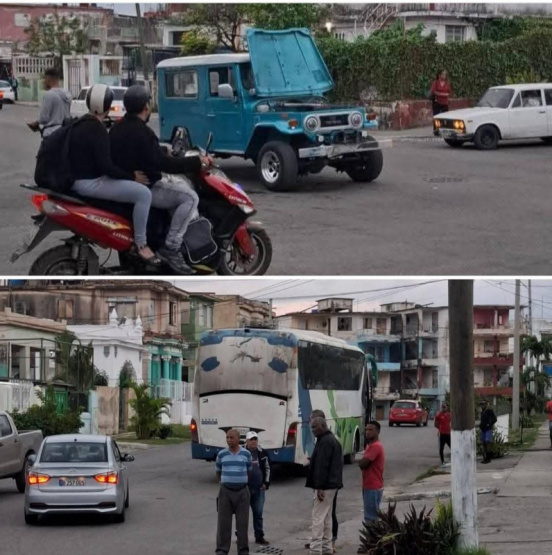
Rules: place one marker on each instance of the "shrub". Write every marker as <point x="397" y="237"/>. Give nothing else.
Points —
<point x="164" y="431"/>
<point x="45" y="417"/>
<point x="499" y="447"/>
<point x="147" y="418"/>
<point x="181" y="431"/>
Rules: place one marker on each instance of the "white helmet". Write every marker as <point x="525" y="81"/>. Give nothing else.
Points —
<point x="99" y="98"/>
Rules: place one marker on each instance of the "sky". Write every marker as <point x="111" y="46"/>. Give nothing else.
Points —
<point x="289" y="295"/>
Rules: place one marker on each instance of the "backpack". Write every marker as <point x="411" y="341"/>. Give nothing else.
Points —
<point x="53" y="167"/>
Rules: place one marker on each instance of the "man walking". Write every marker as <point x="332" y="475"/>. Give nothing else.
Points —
<point x="56" y="105"/>
<point x="233" y="467"/>
<point x="259" y="482"/>
<point x="442" y="423"/>
<point x="325" y="477"/>
<point x="486" y="425"/>
<point x="372" y="465"/>
<point x="549" y="411"/>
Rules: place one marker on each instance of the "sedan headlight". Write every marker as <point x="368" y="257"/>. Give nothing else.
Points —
<point x="356" y="120"/>
<point x="312" y="123"/>
<point x="459" y="125"/>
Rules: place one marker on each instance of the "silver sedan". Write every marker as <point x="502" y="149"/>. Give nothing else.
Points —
<point x="77" y="474"/>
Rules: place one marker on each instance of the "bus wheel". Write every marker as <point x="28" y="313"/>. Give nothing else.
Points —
<point x="348" y="459"/>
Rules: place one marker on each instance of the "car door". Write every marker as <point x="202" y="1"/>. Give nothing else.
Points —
<point x="9" y="447"/>
<point x="548" y="105"/>
<point x="528" y="117"/>
<point x="224" y="115"/>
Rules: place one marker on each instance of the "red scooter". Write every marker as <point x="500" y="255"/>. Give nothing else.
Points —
<point x="222" y="240"/>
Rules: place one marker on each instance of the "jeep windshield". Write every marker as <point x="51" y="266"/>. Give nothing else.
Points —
<point x="496" y="98"/>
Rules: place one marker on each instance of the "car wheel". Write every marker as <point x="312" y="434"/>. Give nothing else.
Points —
<point x="425" y="423"/>
<point x="127" y="500"/>
<point x="547" y="140"/>
<point x="368" y="168"/>
<point x="121" y="517"/>
<point x="418" y="424"/>
<point x="391" y="423"/>
<point x="31" y="519"/>
<point x="21" y="478"/>
<point x="277" y="166"/>
<point x="486" y="137"/>
<point x="398" y="424"/>
<point x="455" y="143"/>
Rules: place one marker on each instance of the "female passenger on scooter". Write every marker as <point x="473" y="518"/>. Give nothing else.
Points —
<point x="97" y="176"/>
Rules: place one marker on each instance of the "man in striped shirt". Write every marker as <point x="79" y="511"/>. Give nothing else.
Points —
<point x="233" y="467"/>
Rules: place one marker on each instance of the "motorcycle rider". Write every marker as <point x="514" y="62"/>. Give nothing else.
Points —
<point x="97" y="176"/>
<point x="135" y="146"/>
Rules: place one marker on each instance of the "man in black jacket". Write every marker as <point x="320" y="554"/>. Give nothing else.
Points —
<point x="325" y="477"/>
<point x="486" y="425"/>
<point x="134" y="146"/>
<point x="259" y="482"/>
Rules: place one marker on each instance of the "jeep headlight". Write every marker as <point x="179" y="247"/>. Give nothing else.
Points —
<point x="311" y="123"/>
<point x="356" y="120"/>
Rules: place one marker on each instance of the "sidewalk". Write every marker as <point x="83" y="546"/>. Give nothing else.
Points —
<point x="514" y="520"/>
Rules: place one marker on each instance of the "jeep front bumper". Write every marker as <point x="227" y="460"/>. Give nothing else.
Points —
<point x="335" y="151"/>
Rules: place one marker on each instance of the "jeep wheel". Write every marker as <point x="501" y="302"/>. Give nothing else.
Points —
<point x="486" y="137"/>
<point x="368" y="168"/>
<point x="277" y="166"/>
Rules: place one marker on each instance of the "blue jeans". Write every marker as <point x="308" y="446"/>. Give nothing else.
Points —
<point x="372" y="500"/>
<point x="121" y="190"/>
<point x="257" y="504"/>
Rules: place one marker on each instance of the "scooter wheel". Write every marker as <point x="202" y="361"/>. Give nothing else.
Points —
<point x="234" y="263"/>
<point x="55" y="262"/>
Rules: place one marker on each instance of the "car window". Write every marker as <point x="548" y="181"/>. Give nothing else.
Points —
<point x="496" y="98"/>
<point x="517" y="102"/>
<point x="548" y="96"/>
<point x="220" y="76"/>
<point x="181" y="84"/>
<point x="5" y="426"/>
<point x="74" y="452"/>
<point x="404" y="405"/>
<point x="531" y="99"/>
<point x="248" y="81"/>
<point x="82" y="94"/>
<point x="116" y="452"/>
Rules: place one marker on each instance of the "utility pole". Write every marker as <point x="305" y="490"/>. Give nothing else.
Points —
<point x="142" y="44"/>
<point x="515" y="394"/>
<point x="530" y="310"/>
<point x="463" y="456"/>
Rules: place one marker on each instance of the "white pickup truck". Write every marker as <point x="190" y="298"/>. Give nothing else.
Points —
<point x="15" y="449"/>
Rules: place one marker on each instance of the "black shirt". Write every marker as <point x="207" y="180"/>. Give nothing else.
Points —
<point x="488" y="420"/>
<point x="326" y="464"/>
<point x="135" y="147"/>
<point x="89" y="151"/>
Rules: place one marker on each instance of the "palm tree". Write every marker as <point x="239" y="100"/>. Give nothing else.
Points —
<point x="148" y="411"/>
<point x="537" y="349"/>
<point x="75" y="361"/>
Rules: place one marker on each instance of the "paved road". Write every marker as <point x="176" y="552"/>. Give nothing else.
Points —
<point x="434" y="210"/>
<point x="172" y="508"/>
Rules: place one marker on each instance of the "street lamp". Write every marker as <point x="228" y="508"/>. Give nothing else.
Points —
<point x="329" y="26"/>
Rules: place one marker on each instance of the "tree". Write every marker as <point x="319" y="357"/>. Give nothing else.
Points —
<point x="75" y="361"/>
<point x="148" y="411"/>
<point x="538" y="350"/>
<point x="57" y="35"/>
<point x="196" y="42"/>
<point x="284" y="16"/>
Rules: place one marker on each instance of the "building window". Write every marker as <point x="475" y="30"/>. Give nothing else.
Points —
<point x="455" y="33"/>
<point x="65" y="309"/>
<point x="182" y="84"/>
<point x="152" y="312"/>
<point x="381" y="326"/>
<point x="380" y="354"/>
<point x="115" y="351"/>
<point x="185" y="316"/>
<point x="172" y="314"/>
<point x="106" y="352"/>
<point x="344" y="324"/>
<point x="367" y="323"/>
<point x="202" y="315"/>
<point x="20" y="307"/>
<point x="488" y="346"/>
<point x="209" y="317"/>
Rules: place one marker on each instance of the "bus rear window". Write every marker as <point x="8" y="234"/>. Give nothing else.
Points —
<point x="327" y="367"/>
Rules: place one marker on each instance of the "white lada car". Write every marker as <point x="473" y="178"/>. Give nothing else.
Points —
<point x="504" y="113"/>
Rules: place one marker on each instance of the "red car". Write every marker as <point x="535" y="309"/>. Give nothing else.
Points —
<point x="408" y="412"/>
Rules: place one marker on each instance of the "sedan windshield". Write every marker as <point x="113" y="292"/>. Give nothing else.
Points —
<point x="74" y="452"/>
<point x="496" y="98"/>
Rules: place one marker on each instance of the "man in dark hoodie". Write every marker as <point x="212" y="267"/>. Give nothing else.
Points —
<point x="56" y="105"/>
<point x="325" y="477"/>
<point x="135" y="147"/>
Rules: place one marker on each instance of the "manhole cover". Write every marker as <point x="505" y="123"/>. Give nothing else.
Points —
<point x="446" y="179"/>
<point x="269" y="549"/>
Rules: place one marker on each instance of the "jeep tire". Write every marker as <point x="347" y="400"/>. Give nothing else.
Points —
<point x="368" y="168"/>
<point x="277" y="166"/>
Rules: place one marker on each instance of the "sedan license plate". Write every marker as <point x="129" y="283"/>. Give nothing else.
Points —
<point x="448" y="133"/>
<point x="73" y="482"/>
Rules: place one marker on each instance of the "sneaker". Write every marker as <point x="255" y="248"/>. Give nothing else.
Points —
<point x="175" y="260"/>
<point x="262" y="541"/>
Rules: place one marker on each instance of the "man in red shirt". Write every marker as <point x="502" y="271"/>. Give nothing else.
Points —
<point x="549" y="411"/>
<point x="371" y="466"/>
<point x="442" y="423"/>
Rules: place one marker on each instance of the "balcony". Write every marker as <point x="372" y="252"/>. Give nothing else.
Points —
<point x="493" y="359"/>
<point x="480" y="330"/>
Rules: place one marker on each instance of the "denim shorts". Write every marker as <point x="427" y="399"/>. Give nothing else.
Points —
<point x="486" y="436"/>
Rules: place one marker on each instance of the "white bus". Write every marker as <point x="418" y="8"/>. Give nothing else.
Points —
<point x="269" y="381"/>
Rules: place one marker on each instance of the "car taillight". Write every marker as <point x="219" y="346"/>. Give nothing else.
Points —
<point x="34" y="479"/>
<point x="292" y="434"/>
<point x="193" y="431"/>
<point x="108" y="478"/>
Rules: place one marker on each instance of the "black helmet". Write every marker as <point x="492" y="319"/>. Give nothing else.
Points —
<point x="99" y="98"/>
<point x="136" y="98"/>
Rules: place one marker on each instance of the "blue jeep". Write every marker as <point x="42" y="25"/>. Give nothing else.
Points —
<point x="268" y="106"/>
